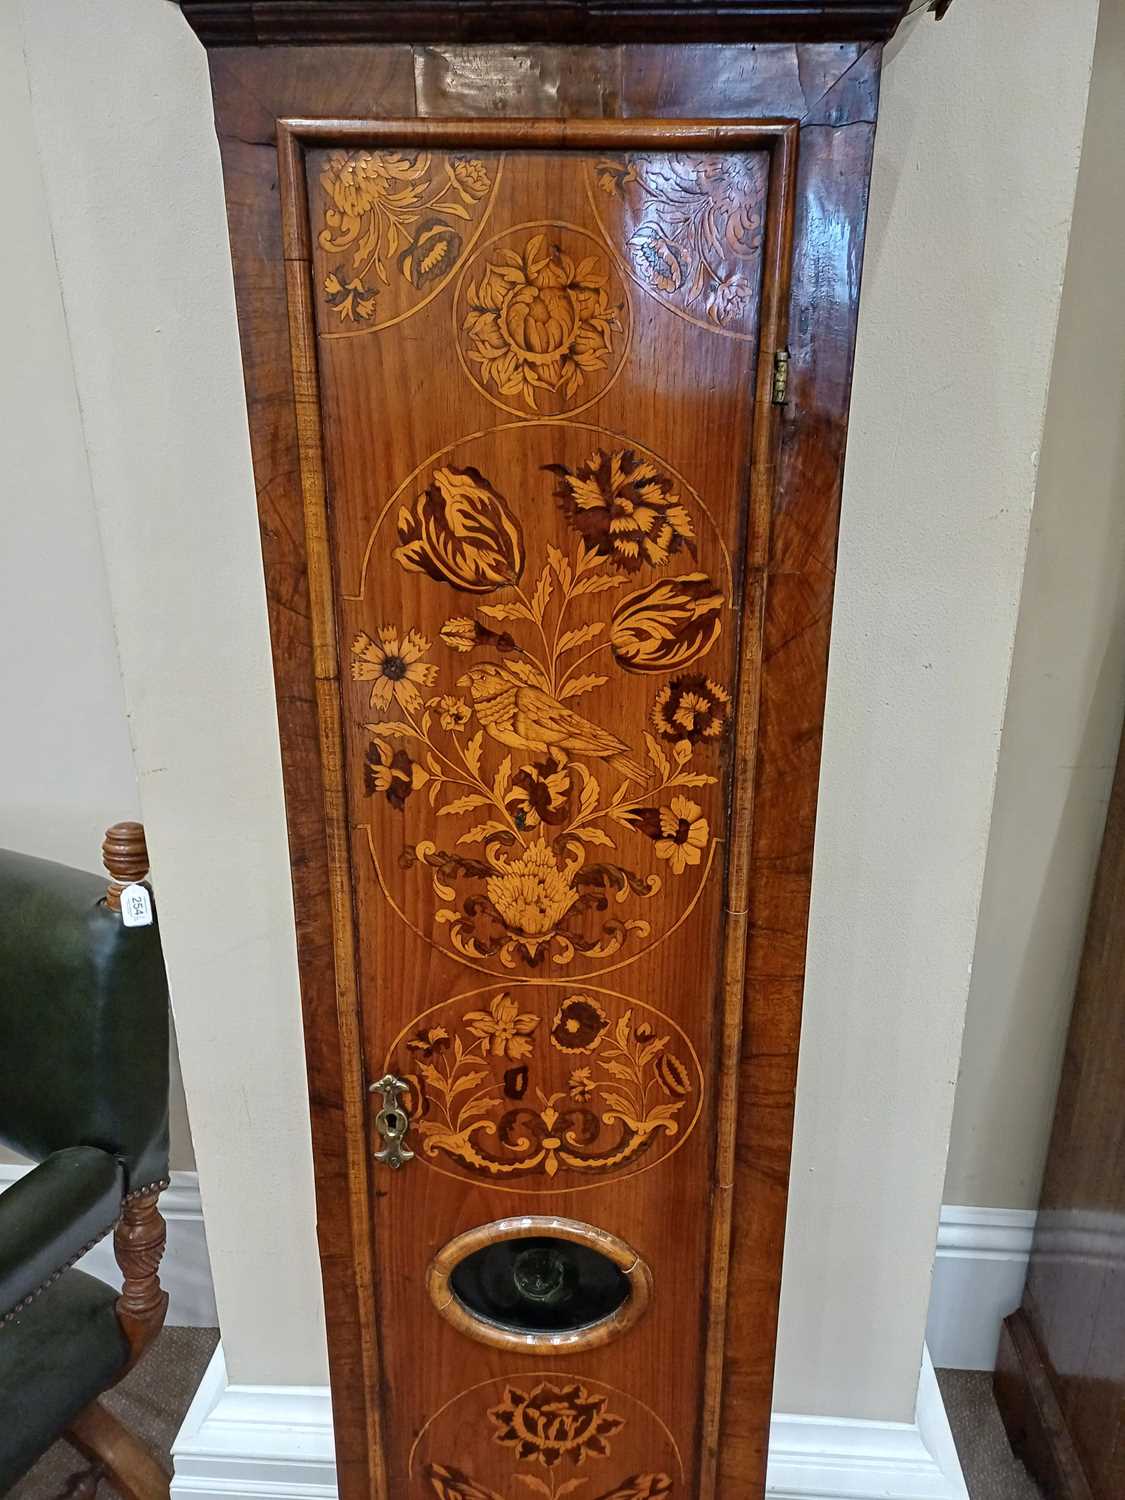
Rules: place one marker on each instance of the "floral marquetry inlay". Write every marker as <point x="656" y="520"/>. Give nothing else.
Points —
<point x="546" y="1087"/>
<point x="560" y="1436"/>
<point x="545" y="835"/>
<point x="542" y="319"/>
<point x="689" y="230"/>
<point x="554" y="1424"/>
<point x="535" y="795"/>
<point x="395" y="225"/>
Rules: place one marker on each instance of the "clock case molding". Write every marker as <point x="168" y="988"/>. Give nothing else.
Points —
<point x="814" y="68"/>
<point x="236" y="23"/>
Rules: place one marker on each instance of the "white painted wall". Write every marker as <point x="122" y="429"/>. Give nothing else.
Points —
<point x="122" y="111"/>
<point x="66" y="765"/>
<point x="972" y="199"/>
<point x="1065" y="702"/>
<point x="976" y="161"/>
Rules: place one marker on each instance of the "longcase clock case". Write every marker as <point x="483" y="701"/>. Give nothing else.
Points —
<point x="548" y="352"/>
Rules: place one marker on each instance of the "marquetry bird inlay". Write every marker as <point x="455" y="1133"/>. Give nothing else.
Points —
<point x="528" y="718"/>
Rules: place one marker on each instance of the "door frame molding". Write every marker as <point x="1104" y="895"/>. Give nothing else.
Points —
<point x="779" y="138"/>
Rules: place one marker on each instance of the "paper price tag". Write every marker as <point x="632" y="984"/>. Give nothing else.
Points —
<point x="136" y="906"/>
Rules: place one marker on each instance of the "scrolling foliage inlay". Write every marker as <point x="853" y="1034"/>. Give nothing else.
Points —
<point x="395" y="226"/>
<point x="541" y="1083"/>
<point x="689" y="229"/>
<point x="549" y="862"/>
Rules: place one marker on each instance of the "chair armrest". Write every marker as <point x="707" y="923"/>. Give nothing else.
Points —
<point x="52" y="1216"/>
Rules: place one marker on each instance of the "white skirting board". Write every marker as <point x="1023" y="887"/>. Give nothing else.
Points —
<point x="185" y="1272"/>
<point x="275" y="1443"/>
<point x="254" y="1442"/>
<point x="979" y="1271"/>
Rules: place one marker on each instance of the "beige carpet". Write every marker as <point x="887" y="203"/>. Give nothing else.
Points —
<point x="154" y="1399"/>
<point x="991" y="1472"/>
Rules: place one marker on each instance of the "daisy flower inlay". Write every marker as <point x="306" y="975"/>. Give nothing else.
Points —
<point x="394" y="667"/>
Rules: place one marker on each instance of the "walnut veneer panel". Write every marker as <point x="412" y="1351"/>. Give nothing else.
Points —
<point x="550" y="581"/>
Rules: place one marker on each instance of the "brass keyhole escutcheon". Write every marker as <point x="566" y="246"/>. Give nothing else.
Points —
<point x="392" y="1122"/>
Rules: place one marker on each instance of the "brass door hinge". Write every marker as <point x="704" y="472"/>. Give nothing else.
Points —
<point x="781" y="377"/>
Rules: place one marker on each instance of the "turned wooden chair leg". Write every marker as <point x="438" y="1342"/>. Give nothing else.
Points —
<point x="128" y="1464"/>
<point x="138" y="1243"/>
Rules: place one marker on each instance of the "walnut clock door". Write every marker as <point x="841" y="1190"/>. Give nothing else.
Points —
<point x="535" y="366"/>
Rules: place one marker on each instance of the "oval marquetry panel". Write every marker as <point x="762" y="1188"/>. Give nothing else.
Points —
<point x="547" y="1089"/>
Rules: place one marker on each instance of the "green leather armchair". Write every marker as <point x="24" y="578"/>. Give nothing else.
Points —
<point x="84" y="1093"/>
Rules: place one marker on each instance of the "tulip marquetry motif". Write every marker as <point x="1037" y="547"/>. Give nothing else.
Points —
<point x="537" y="815"/>
<point x="461" y="532"/>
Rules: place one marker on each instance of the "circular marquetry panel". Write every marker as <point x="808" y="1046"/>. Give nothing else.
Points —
<point x="542" y="319"/>
<point x="545" y="1433"/>
<point x="538" y="1284"/>
<point x="546" y="697"/>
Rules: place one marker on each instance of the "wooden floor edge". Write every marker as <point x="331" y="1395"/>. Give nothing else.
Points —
<point x="1032" y="1416"/>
